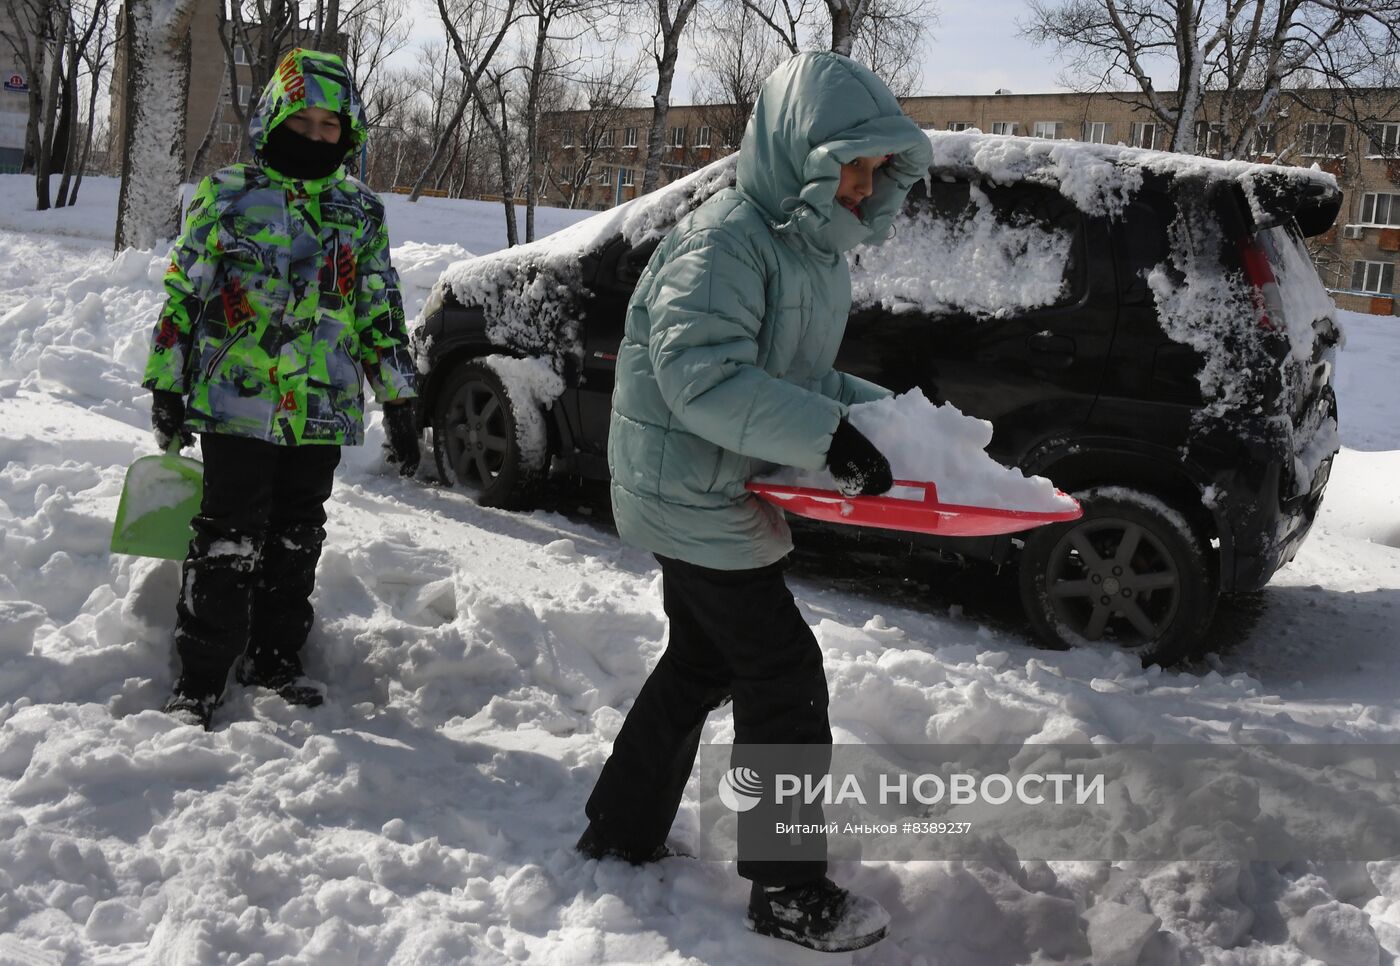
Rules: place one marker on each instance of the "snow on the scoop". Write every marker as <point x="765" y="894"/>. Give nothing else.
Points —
<point x="941" y="445"/>
<point x="153" y="486"/>
<point x="975" y="264"/>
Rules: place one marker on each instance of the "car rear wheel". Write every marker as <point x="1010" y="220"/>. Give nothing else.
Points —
<point x="486" y="440"/>
<point x="1131" y="571"/>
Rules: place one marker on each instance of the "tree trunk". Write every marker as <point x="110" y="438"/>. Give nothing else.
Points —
<point x="69" y="124"/>
<point x="48" y="136"/>
<point x="665" y="76"/>
<point x="153" y="150"/>
<point x="841" y="33"/>
<point x="532" y="105"/>
<point x="443" y="137"/>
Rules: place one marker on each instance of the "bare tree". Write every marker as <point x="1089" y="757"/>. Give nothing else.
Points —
<point x="671" y="19"/>
<point x="475" y="31"/>
<point x="157" y="80"/>
<point x="733" y="60"/>
<point x="888" y="35"/>
<point x="1241" y="56"/>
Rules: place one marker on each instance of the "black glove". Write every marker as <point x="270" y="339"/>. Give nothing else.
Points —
<point x="402" y="437"/>
<point x="860" y="469"/>
<point x="168" y="418"/>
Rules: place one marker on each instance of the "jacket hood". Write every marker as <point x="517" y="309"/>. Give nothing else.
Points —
<point x="816" y="112"/>
<point x="307" y="78"/>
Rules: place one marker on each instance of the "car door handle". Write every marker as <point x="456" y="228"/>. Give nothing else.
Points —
<point x="1055" y="351"/>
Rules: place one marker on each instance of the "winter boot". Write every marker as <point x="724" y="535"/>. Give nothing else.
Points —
<point x="281" y="673"/>
<point x="818" y="914"/>
<point x="591" y="845"/>
<point x="191" y="704"/>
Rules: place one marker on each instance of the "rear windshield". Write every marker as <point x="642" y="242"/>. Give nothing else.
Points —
<point x="1305" y="300"/>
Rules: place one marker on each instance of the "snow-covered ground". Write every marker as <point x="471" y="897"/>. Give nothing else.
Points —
<point x="480" y="662"/>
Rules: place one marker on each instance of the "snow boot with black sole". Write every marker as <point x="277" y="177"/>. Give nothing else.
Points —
<point x="188" y="705"/>
<point x="591" y="845"/>
<point x="283" y="676"/>
<point x="818" y="914"/>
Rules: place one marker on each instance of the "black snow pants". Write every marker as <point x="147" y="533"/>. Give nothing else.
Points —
<point x="733" y="633"/>
<point x="251" y="566"/>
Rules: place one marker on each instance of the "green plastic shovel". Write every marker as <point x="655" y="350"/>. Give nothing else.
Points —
<point x="160" y="497"/>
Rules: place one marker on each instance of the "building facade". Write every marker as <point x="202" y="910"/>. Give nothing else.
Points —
<point x="590" y="168"/>
<point x="14" y="100"/>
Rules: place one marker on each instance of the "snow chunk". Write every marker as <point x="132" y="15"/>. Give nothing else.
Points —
<point x="1118" y="933"/>
<point x="1337" y="934"/>
<point x="532" y="385"/>
<point x="939" y="444"/>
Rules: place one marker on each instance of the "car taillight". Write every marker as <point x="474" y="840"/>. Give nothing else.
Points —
<point x="1260" y="276"/>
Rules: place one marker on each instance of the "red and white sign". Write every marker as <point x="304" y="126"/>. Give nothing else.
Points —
<point x="17" y="83"/>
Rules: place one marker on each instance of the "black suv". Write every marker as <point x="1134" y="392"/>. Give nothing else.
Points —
<point x="1158" y="345"/>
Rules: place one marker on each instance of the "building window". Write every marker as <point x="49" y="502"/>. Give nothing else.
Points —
<point x="677" y="137"/>
<point x="1048" y="129"/>
<point x="629" y="177"/>
<point x="702" y="137"/>
<point x="227" y="133"/>
<point x="1323" y="139"/>
<point x="1373" y="278"/>
<point x="240" y="97"/>
<point x="1096" y="132"/>
<point x="566" y="172"/>
<point x="1143" y="135"/>
<point x="958" y="125"/>
<point x="1380" y="209"/>
<point x="605" y="175"/>
<point x="606" y="141"/>
<point x="1210" y="137"/>
<point x="567" y="137"/>
<point x="629" y="137"/>
<point x="240" y="54"/>
<point x="1265" y="139"/>
<point x="1003" y="127"/>
<point x="1385" y="141"/>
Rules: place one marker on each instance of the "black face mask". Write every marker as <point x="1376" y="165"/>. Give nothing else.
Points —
<point x="295" y="156"/>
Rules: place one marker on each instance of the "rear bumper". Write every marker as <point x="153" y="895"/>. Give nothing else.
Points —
<point x="1256" y="560"/>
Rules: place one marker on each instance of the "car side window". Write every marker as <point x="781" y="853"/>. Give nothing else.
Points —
<point x="1142" y="246"/>
<point x="963" y="247"/>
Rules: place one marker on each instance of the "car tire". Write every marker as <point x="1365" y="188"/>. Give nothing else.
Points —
<point x="487" y="440"/>
<point x="1132" y="571"/>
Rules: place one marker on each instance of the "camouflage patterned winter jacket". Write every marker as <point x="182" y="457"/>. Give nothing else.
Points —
<point x="281" y="293"/>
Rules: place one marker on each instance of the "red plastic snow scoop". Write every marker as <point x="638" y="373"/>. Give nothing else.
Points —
<point x="916" y="515"/>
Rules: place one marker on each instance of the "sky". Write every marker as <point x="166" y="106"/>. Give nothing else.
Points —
<point x="973" y="48"/>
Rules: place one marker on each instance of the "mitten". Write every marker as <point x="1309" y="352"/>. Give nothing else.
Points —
<point x="402" y="437"/>
<point x="859" y="468"/>
<point x="168" y="418"/>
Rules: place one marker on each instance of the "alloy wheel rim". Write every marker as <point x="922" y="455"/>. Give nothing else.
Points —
<point x="478" y="435"/>
<point x="1113" y="578"/>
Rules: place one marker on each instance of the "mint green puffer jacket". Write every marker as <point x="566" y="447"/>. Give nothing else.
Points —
<point x="725" y="366"/>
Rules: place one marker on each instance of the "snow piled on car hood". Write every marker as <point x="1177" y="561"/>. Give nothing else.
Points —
<point x="530" y="294"/>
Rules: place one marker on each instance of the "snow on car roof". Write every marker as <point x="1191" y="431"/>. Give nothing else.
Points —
<point x="530" y="294"/>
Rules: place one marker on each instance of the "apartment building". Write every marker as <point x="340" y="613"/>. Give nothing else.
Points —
<point x="1356" y="259"/>
<point x="14" y="100"/>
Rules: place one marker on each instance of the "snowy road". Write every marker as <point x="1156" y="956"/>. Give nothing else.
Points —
<point x="480" y="662"/>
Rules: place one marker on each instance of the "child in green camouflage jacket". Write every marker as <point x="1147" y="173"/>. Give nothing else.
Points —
<point x="282" y="300"/>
